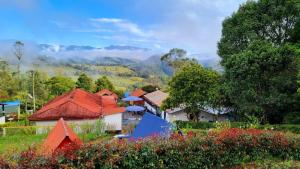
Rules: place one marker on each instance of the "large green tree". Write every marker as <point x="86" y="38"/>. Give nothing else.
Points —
<point x="259" y="63"/>
<point x="193" y="87"/>
<point x="58" y="85"/>
<point x="103" y="83"/>
<point x="177" y="58"/>
<point x="271" y="20"/>
<point x="84" y="82"/>
<point x="262" y="80"/>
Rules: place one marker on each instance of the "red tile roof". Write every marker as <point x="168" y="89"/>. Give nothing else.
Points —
<point x="77" y="104"/>
<point x="106" y="92"/>
<point x="138" y="93"/>
<point x="60" y="136"/>
<point x="110" y="106"/>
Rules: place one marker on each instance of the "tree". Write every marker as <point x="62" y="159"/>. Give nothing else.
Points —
<point x="177" y="58"/>
<point x="37" y="87"/>
<point x="269" y="20"/>
<point x="259" y="63"/>
<point x="103" y="83"/>
<point x="58" y="85"/>
<point x="8" y="86"/>
<point x="262" y="80"/>
<point x="19" y="52"/>
<point x="192" y="87"/>
<point x="150" y="88"/>
<point x="84" y="82"/>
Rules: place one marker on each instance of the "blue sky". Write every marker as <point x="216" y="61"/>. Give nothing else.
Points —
<point x="194" y="25"/>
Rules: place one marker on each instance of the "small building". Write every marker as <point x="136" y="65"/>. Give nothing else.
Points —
<point x="9" y="108"/>
<point x="59" y="137"/>
<point x="153" y="102"/>
<point x="209" y="115"/>
<point x="78" y="107"/>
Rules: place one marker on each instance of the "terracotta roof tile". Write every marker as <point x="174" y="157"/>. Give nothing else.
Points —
<point x="138" y="93"/>
<point x="106" y="92"/>
<point x="60" y="136"/>
<point x="77" y="104"/>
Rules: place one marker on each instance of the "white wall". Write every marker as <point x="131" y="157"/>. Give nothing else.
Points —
<point x="204" y="116"/>
<point x="113" y="122"/>
<point x="180" y="115"/>
<point x="46" y="126"/>
<point x="149" y="107"/>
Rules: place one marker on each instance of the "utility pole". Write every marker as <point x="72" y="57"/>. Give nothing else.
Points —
<point x="33" y="92"/>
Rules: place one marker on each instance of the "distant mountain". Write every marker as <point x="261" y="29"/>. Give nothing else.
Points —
<point x="61" y="48"/>
<point x="118" y="47"/>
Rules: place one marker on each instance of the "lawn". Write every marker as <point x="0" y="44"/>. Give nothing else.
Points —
<point x="9" y="145"/>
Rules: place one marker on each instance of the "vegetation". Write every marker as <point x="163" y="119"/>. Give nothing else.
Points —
<point x="103" y="83"/>
<point x="224" y="148"/>
<point x="84" y="82"/>
<point x="259" y="58"/>
<point x="192" y="87"/>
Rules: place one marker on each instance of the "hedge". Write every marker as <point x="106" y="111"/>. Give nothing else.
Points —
<point x="226" y="148"/>
<point x="294" y="128"/>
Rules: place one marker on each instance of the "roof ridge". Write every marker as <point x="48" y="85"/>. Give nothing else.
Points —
<point x="64" y="127"/>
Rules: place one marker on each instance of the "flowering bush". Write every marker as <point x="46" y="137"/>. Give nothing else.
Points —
<point x="220" y="148"/>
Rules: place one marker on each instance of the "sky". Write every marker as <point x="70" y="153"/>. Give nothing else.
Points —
<point x="194" y="25"/>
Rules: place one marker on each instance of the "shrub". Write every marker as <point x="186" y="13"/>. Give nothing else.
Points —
<point x="222" y="148"/>
<point x="292" y="118"/>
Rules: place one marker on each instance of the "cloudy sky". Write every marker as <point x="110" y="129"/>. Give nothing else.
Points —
<point x="194" y="25"/>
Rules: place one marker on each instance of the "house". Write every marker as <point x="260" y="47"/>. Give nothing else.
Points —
<point x="106" y="92"/>
<point x="78" y="107"/>
<point x="9" y="108"/>
<point x="153" y="102"/>
<point x="138" y="93"/>
<point x="59" y="137"/>
<point x="208" y="114"/>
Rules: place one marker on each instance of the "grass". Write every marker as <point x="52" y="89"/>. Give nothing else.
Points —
<point x="10" y="145"/>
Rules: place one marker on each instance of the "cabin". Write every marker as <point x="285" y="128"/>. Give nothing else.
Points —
<point x="153" y="102"/>
<point x="79" y="107"/>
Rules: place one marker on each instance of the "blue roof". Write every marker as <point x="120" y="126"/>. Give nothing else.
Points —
<point x="126" y="94"/>
<point x="11" y="103"/>
<point x="135" y="108"/>
<point x="151" y="125"/>
<point x="131" y="98"/>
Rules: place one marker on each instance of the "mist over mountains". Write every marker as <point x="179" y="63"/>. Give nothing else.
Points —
<point x="144" y="60"/>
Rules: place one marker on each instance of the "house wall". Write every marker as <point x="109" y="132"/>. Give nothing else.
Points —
<point x="46" y="126"/>
<point x="113" y="122"/>
<point x="150" y="107"/>
<point x="180" y="115"/>
<point x="204" y="116"/>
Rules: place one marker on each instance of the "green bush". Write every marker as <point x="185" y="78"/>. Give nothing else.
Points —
<point x="292" y="118"/>
<point x="194" y="125"/>
<point x="231" y="147"/>
<point x="294" y="128"/>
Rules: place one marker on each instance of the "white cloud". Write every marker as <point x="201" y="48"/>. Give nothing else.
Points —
<point x="122" y="24"/>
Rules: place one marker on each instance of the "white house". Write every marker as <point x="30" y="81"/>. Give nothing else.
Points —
<point x="78" y="108"/>
<point x="153" y="102"/>
<point x="179" y="114"/>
